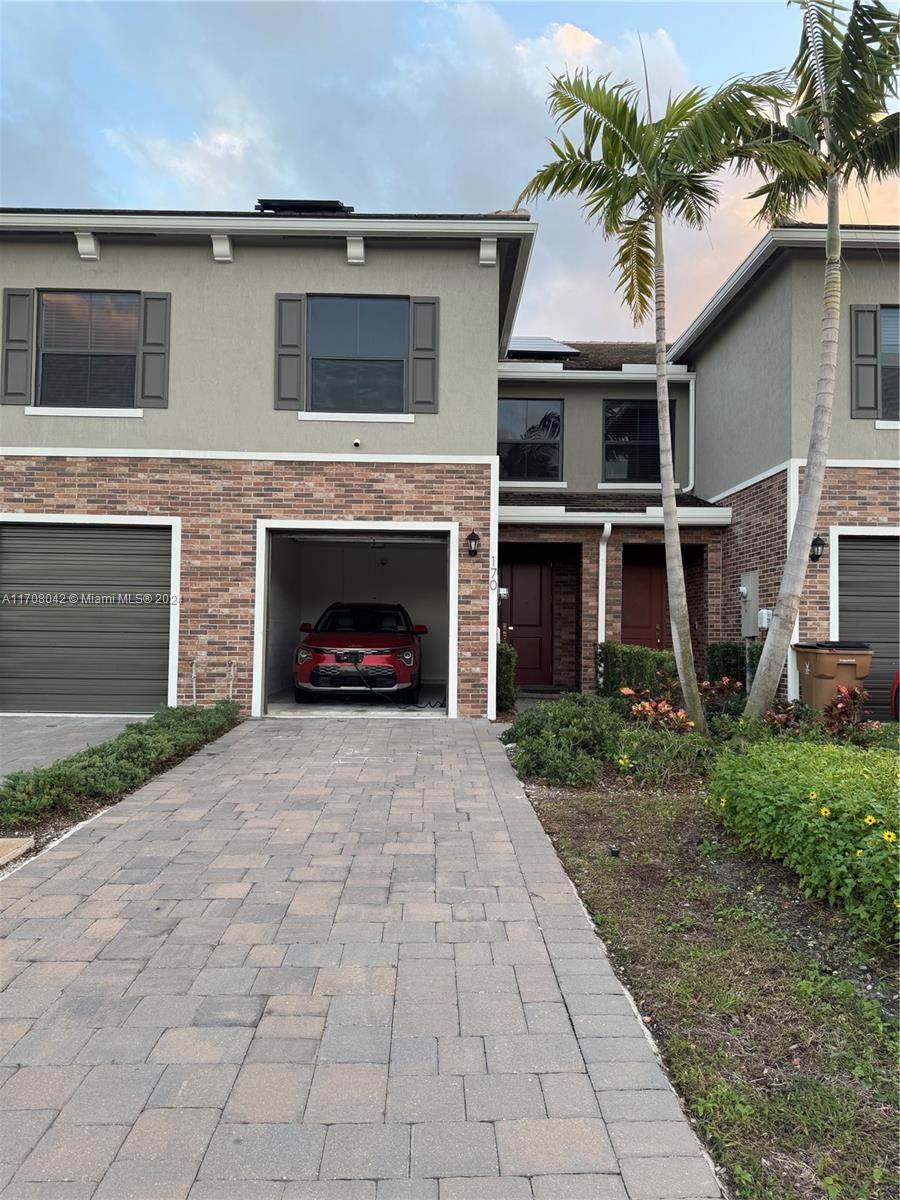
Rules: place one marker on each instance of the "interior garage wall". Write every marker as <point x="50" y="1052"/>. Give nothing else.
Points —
<point x="305" y="577"/>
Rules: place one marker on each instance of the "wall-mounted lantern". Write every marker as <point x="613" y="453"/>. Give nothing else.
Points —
<point x="473" y="541"/>
<point x="816" y="549"/>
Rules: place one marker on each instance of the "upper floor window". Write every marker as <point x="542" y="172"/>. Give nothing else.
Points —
<point x="875" y="361"/>
<point x="358" y="353"/>
<point x="529" y="439"/>
<point x="631" y="441"/>
<point x="88" y="347"/>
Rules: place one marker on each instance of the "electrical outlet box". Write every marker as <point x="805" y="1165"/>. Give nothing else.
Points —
<point x="764" y="618"/>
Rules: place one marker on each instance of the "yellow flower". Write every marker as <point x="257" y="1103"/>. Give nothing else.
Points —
<point x="889" y="836"/>
<point x="825" y="812"/>
<point x="859" y="854"/>
<point x="722" y="802"/>
<point x="812" y="795"/>
<point x="870" y="820"/>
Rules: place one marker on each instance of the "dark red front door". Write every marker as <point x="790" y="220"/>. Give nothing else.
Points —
<point x="527" y="619"/>
<point x="644" y="603"/>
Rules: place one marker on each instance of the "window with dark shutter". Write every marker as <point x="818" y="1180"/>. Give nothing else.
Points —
<point x="359" y="352"/>
<point x="88" y="345"/>
<point x="631" y="441"/>
<point x="529" y="439"/>
<point x="875" y="361"/>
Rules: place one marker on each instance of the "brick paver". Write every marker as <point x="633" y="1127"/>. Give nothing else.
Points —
<point x="324" y="959"/>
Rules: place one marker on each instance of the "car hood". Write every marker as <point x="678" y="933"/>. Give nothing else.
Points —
<point x="357" y="641"/>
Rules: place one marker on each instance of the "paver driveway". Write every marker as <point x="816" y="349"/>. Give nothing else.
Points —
<point x="324" y="959"/>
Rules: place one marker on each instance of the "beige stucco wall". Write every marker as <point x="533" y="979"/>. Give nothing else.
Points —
<point x="865" y="279"/>
<point x="743" y="389"/>
<point x="221" y="368"/>
<point x="582" y="454"/>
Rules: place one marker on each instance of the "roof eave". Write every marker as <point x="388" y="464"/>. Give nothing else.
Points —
<point x="783" y="238"/>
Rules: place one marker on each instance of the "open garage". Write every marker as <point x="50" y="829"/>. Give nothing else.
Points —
<point x="354" y="590"/>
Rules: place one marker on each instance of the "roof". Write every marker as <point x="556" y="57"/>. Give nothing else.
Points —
<point x="609" y="356"/>
<point x="777" y="242"/>
<point x="625" y="502"/>
<point x="539" y="347"/>
<point x="342" y="214"/>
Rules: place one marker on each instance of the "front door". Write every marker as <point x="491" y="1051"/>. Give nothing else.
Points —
<point x="527" y="620"/>
<point x="643" y="603"/>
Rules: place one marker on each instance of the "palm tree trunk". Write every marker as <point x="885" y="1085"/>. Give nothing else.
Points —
<point x="678" y="605"/>
<point x="777" y="644"/>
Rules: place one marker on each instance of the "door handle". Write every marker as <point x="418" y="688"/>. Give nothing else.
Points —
<point x="510" y="628"/>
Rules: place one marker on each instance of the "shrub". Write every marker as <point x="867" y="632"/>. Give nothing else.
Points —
<point x="829" y="812"/>
<point x="722" y="695"/>
<point x="844" y="716"/>
<point x="730" y="658"/>
<point x="637" y="667"/>
<point x="563" y="741"/>
<point x="658" y="755"/>
<point x="506" y="677"/>
<point x="658" y="713"/>
<point x="104" y="773"/>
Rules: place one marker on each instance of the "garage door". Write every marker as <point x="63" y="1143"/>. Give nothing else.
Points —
<point x="73" y="636"/>
<point x="869" y="607"/>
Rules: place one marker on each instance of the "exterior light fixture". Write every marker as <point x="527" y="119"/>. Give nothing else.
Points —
<point x="817" y="549"/>
<point x="473" y="541"/>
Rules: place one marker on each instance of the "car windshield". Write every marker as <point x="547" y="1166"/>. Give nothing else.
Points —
<point x="347" y="619"/>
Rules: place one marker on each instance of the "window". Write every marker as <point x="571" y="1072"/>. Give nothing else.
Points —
<point x="358" y="354"/>
<point x="875" y="361"/>
<point x="529" y="437"/>
<point x="631" y="441"/>
<point x="88" y="349"/>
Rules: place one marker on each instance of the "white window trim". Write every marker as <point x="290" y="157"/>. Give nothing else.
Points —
<point x="174" y="523"/>
<point x="52" y="410"/>
<point x="260" y="600"/>
<point x="887" y="424"/>
<point x="526" y="485"/>
<point x="835" y="533"/>
<point x="359" y="418"/>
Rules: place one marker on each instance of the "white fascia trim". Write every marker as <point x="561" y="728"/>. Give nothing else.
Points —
<point x="200" y="223"/>
<point x="540" y="374"/>
<point x="359" y="418"/>
<point x="260" y="597"/>
<point x="774" y="240"/>
<point x="689" y="511"/>
<point x="524" y="486"/>
<point x="601" y="581"/>
<point x="865" y="464"/>
<point x="245" y="455"/>
<point x="47" y="410"/>
<point x="887" y="424"/>
<point x="174" y="523"/>
<point x="835" y="533"/>
<point x="517" y="515"/>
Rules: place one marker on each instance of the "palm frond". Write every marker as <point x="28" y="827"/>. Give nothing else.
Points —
<point x="634" y="263"/>
<point x="877" y="154"/>
<point x="707" y="136"/>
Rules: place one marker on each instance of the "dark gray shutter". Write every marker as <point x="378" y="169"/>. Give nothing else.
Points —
<point x="423" y="354"/>
<point x="152" y="384"/>
<point x="18" y="307"/>
<point x="864" y="360"/>
<point x="290" y="359"/>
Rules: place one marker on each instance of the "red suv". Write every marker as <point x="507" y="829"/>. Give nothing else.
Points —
<point x="359" y="648"/>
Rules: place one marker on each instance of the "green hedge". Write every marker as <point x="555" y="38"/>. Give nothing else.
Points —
<point x="636" y="667"/>
<point x="104" y="773"/>
<point x="506" y="677"/>
<point x="807" y="805"/>
<point x="729" y="658"/>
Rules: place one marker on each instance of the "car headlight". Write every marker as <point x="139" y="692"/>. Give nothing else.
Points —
<point x="406" y="657"/>
<point x="303" y="656"/>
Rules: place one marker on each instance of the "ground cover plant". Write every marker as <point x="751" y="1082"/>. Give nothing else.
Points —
<point x="102" y="774"/>
<point x="765" y="1004"/>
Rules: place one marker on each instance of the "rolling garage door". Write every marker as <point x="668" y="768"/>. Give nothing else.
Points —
<point x="869" y="607"/>
<point x="73" y="638"/>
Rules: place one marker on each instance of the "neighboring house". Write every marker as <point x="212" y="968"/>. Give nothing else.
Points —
<point x="262" y="413"/>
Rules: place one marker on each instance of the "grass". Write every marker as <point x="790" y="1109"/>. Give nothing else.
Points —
<point x="787" y="1071"/>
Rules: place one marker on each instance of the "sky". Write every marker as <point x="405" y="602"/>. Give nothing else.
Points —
<point x="389" y="107"/>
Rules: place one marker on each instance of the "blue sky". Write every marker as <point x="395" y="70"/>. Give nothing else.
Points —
<point x="386" y="106"/>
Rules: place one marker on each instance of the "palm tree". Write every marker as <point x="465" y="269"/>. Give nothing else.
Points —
<point x="633" y="174"/>
<point x="845" y="71"/>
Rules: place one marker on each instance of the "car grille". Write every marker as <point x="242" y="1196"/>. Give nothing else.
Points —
<point x="341" y="676"/>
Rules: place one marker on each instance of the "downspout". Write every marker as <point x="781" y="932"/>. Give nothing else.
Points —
<point x="601" y="594"/>
<point x="692" y="434"/>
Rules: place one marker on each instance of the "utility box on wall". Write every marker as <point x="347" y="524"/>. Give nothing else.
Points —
<point x="749" y="593"/>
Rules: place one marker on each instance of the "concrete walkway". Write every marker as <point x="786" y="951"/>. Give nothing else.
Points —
<point x="37" y="741"/>
<point x="324" y="960"/>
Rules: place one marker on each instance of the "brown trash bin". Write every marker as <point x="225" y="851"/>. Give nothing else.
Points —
<point x="826" y="666"/>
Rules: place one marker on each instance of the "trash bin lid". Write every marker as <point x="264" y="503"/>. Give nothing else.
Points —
<point x="832" y="646"/>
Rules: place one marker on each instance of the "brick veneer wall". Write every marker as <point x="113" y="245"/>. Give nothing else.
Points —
<point x="589" y="539"/>
<point x="566" y="625"/>
<point x="756" y="540"/>
<point x="219" y="502"/>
